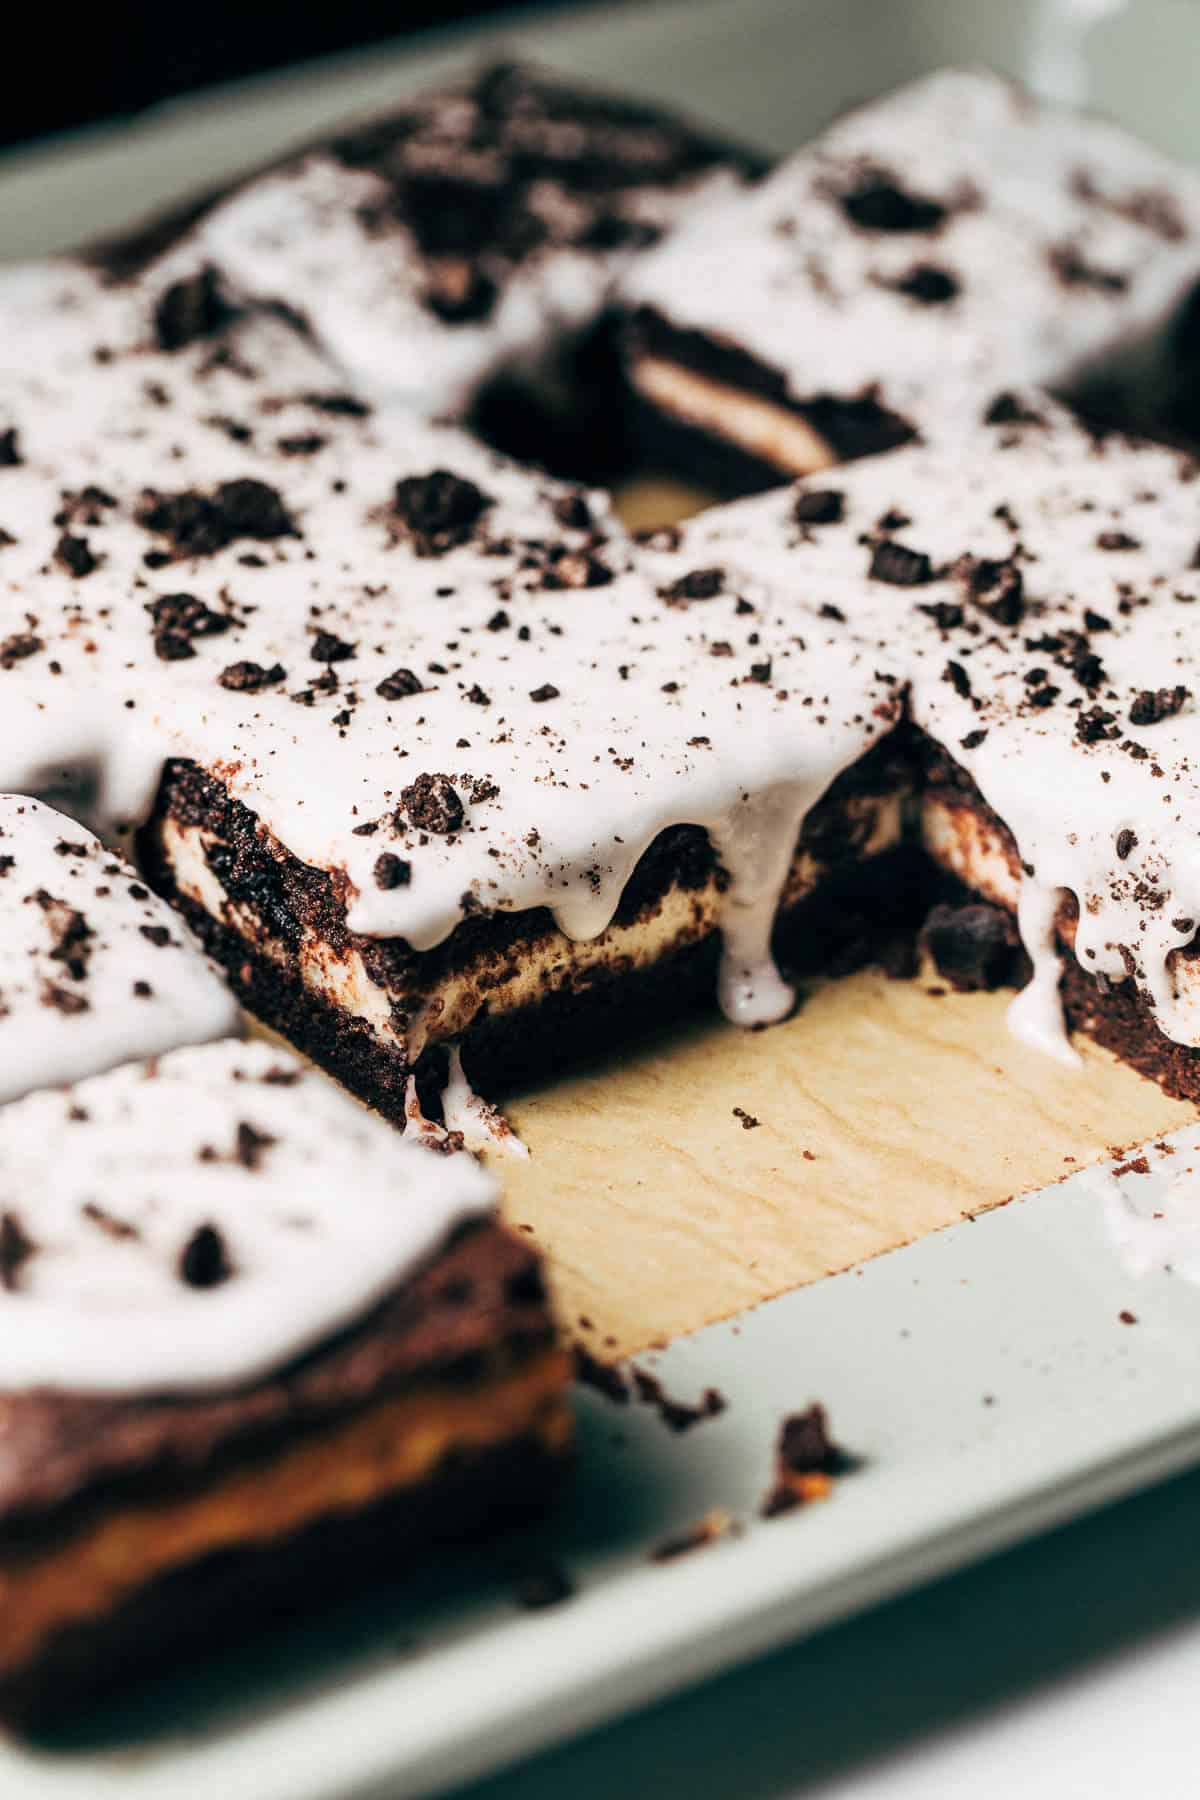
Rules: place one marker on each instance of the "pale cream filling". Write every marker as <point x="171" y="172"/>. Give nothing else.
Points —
<point x="519" y="978"/>
<point x="771" y="433"/>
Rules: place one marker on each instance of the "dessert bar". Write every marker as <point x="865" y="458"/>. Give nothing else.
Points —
<point x="257" y="1348"/>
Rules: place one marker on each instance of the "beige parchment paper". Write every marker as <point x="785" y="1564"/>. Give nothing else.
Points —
<point x="885" y="1109"/>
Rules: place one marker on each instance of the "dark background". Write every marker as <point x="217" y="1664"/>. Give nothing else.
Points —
<point x="74" y="65"/>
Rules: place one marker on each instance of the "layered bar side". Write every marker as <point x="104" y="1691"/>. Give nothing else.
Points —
<point x="257" y="1349"/>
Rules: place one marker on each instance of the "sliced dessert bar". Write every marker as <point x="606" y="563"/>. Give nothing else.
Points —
<point x="256" y="1348"/>
<point x="471" y="229"/>
<point x="947" y="241"/>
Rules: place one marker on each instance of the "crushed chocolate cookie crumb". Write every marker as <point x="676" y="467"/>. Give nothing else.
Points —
<point x="1153" y="705"/>
<point x="547" y="691"/>
<point x="697" y="584"/>
<point x="190" y="310"/>
<point x="75" y="555"/>
<point x="432" y="803"/>
<point x="10" y="453"/>
<point x="996" y="587"/>
<point x="16" y="648"/>
<point x="391" y="871"/>
<point x="928" y="285"/>
<point x="676" y="1415"/>
<point x="748" y="1120"/>
<point x="249" y="1145"/>
<point x="819" y="506"/>
<point x="399" y="685"/>
<point x="604" y="1377"/>
<point x="204" y="1260"/>
<point x="879" y="203"/>
<point x="251" y="677"/>
<point x="1126" y="842"/>
<point x="178" y="619"/>
<point x="898" y="565"/>
<point x="327" y="647"/>
<point x="440" y="510"/>
<point x="16" y="1247"/>
<point x="199" y="524"/>
<point x="806" y="1460"/>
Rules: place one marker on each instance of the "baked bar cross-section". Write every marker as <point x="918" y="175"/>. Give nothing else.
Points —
<point x="256" y="1348"/>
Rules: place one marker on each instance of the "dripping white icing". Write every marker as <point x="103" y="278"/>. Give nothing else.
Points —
<point x="483" y="1126"/>
<point x="573" y="719"/>
<point x="1035" y="1017"/>
<point x="320" y="1212"/>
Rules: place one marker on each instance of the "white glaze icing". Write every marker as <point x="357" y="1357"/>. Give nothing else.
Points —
<point x="1066" y="240"/>
<point x="717" y="705"/>
<point x="320" y="1215"/>
<point x="1055" y="492"/>
<point x="731" y="708"/>
<point x="94" y="969"/>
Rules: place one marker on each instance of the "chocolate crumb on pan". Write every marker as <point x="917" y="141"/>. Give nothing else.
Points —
<point x="806" y="1462"/>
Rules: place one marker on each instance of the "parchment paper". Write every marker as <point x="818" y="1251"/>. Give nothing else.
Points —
<point x="885" y="1109"/>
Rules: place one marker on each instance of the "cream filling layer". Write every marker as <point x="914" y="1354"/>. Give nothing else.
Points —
<point x="771" y="433"/>
<point x="515" y="977"/>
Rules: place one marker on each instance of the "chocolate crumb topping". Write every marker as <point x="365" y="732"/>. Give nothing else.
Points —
<point x="16" y="1247"/>
<point x="928" y="285"/>
<point x="399" y="685"/>
<point x="547" y="691"/>
<point x="199" y="524"/>
<point x="1072" y="270"/>
<point x="204" y="1260"/>
<point x="391" y="871"/>
<point x="75" y="555"/>
<point x="440" y="510"/>
<point x="16" y="648"/>
<point x="190" y="310"/>
<point x="433" y="804"/>
<point x="250" y="1145"/>
<point x="1126" y="842"/>
<point x="880" y="203"/>
<point x="697" y="584"/>
<point x="178" y="620"/>
<point x="897" y="564"/>
<point x="1153" y="705"/>
<point x="1010" y="409"/>
<point x="996" y="587"/>
<point x="820" y="506"/>
<point x="251" y="677"/>
<point x="327" y="647"/>
<point x="10" y="454"/>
